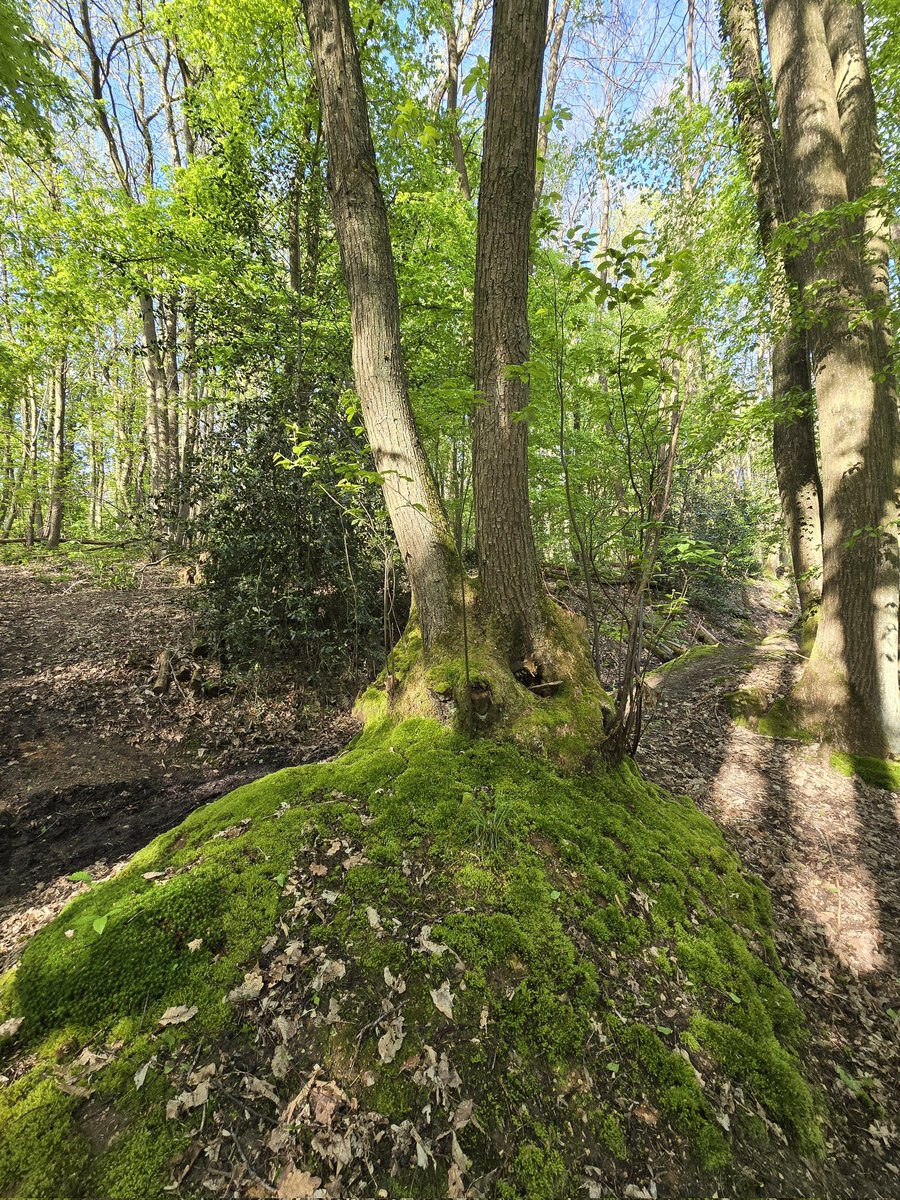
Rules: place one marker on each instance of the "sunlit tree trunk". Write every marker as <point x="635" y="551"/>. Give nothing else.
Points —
<point x="849" y="690"/>
<point x="507" y="560"/>
<point x="57" y="453"/>
<point x="360" y="218"/>
<point x="793" y="432"/>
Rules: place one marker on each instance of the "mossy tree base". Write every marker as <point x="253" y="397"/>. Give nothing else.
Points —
<point x="552" y="704"/>
<point x="479" y="974"/>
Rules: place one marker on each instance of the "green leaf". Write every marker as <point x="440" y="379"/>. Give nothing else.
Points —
<point x="100" y="924"/>
<point x="613" y="1068"/>
<point x="281" y="880"/>
<point x="80" y="877"/>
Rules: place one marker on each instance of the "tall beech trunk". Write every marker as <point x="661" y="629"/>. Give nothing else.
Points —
<point x="849" y="689"/>
<point x="846" y="34"/>
<point x="57" y="454"/>
<point x="507" y="559"/>
<point x="793" y="430"/>
<point x="360" y="219"/>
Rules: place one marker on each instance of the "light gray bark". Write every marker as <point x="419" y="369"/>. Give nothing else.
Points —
<point x="849" y="689"/>
<point x="360" y="218"/>
<point x="793" y="433"/>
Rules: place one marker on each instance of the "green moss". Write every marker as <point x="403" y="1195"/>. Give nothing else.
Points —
<point x="548" y="888"/>
<point x="746" y="705"/>
<point x="879" y="772"/>
<point x="781" y="722"/>
<point x="538" y="1173"/>
<point x="41" y="1153"/>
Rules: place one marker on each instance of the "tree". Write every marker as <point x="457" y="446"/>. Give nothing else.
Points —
<point x="849" y="690"/>
<point x="793" y="433"/>
<point x="360" y="218"/>
<point x="507" y="560"/>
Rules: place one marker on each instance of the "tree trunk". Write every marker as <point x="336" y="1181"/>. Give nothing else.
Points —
<point x="57" y="455"/>
<point x="559" y="17"/>
<point x="849" y="690"/>
<point x="459" y="153"/>
<point x="510" y="582"/>
<point x="846" y="35"/>
<point x="793" y="431"/>
<point x="360" y="218"/>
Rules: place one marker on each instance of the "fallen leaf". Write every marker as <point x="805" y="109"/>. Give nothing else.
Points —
<point x="153" y="875"/>
<point x="318" y="869"/>
<point x="281" y="1062"/>
<point x="248" y="990"/>
<point x="391" y="1041"/>
<point x="373" y="917"/>
<point x="395" y="982"/>
<point x="463" y="1114"/>
<point x="645" y="1113"/>
<point x="425" y="942"/>
<point x="195" y="945"/>
<point x="140" y="1074"/>
<point x="456" y="1189"/>
<point x="11" y="1027"/>
<point x="178" y="1015"/>
<point x="296" y="1185"/>
<point x="330" y="970"/>
<point x="443" y="999"/>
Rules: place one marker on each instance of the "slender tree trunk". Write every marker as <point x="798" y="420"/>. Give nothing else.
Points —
<point x="459" y="153"/>
<point x="793" y="431"/>
<point x="360" y="218"/>
<point x="510" y="581"/>
<point x="849" y="690"/>
<point x="557" y="28"/>
<point x="57" y="454"/>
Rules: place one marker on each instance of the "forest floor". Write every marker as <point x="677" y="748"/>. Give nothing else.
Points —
<point x="94" y="763"/>
<point x="828" y="847"/>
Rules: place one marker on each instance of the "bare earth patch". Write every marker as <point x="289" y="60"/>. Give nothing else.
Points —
<point x="93" y="763"/>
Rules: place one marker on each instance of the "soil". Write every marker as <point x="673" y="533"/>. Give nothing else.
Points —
<point x="828" y="847"/>
<point x="94" y="762"/>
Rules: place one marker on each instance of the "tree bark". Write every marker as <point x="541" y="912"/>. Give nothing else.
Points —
<point x="510" y="581"/>
<point x="557" y="28"/>
<point x="793" y="431"/>
<point x="849" y="690"/>
<point x="57" y="454"/>
<point x="360" y="218"/>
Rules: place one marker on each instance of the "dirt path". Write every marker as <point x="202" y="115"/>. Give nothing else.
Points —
<point x="93" y="763"/>
<point x="829" y="849"/>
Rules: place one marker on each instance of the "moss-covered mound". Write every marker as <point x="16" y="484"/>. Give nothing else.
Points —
<point x="432" y="967"/>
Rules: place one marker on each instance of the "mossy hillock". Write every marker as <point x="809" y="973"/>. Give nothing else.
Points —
<point x="431" y="967"/>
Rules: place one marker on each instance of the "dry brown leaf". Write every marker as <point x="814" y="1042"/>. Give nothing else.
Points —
<point x="391" y="1040"/>
<point x="292" y="1184"/>
<point x="443" y="999"/>
<point x="11" y="1027"/>
<point x="249" y="989"/>
<point x="645" y="1113"/>
<point x="178" y="1015"/>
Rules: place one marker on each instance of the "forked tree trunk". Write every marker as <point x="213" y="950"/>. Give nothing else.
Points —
<point x="507" y="560"/>
<point x="793" y="431"/>
<point x="360" y="219"/>
<point x="849" y="689"/>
